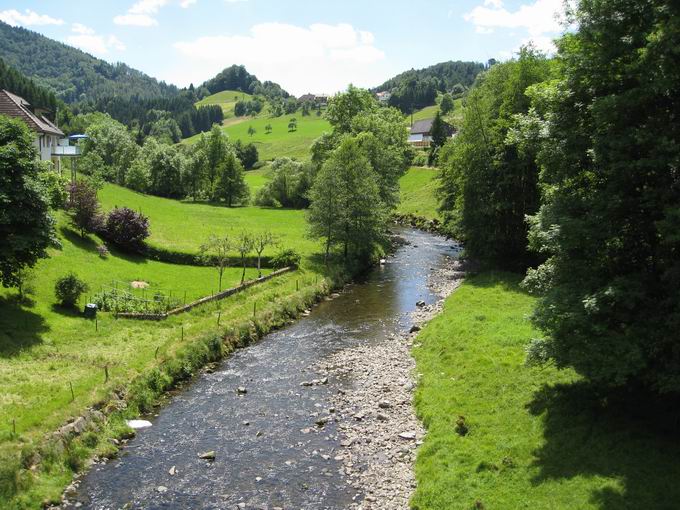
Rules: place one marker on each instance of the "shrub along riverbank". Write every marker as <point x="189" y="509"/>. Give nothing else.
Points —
<point x="503" y="435"/>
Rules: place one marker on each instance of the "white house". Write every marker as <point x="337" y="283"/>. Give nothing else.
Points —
<point x="384" y="97"/>
<point x="49" y="139"/>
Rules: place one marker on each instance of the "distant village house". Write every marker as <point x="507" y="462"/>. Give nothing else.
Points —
<point x="384" y="97"/>
<point x="420" y="134"/>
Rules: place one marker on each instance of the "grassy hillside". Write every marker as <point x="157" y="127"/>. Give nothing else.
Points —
<point x="281" y="141"/>
<point x="537" y="437"/>
<point x="226" y="99"/>
<point x="184" y="226"/>
<point x="454" y="118"/>
<point x="417" y="193"/>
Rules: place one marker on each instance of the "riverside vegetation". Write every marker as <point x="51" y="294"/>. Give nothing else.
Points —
<point x="552" y="385"/>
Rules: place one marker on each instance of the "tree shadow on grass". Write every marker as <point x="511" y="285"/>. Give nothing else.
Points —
<point x="84" y="243"/>
<point x="20" y="328"/>
<point x="590" y="436"/>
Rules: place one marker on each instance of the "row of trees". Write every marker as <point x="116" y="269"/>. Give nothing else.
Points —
<point x="211" y="169"/>
<point x="356" y="169"/>
<point x="585" y="147"/>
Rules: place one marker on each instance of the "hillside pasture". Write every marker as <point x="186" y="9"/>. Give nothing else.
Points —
<point x="226" y="100"/>
<point x="417" y="193"/>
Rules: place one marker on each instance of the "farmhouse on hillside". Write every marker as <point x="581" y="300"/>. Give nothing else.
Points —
<point x="420" y="134"/>
<point x="384" y="97"/>
<point x="49" y="139"/>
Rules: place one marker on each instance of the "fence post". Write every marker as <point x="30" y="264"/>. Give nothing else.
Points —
<point x="219" y="316"/>
<point x="106" y="374"/>
<point x="73" y="396"/>
<point x="254" y="308"/>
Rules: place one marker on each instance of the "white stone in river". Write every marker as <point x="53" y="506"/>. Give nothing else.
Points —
<point x="138" y="424"/>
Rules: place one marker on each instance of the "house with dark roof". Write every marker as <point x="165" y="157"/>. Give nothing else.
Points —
<point x="49" y="139"/>
<point x="420" y="134"/>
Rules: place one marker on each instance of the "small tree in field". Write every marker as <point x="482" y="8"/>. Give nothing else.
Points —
<point x="251" y="131"/>
<point x="232" y="187"/>
<point x="260" y="243"/>
<point x="68" y="289"/>
<point x="244" y="245"/>
<point x="268" y="129"/>
<point x="83" y="207"/>
<point x="215" y="251"/>
<point x="292" y="125"/>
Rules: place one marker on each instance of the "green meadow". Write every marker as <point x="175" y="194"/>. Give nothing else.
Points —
<point x="184" y="226"/>
<point x="503" y="435"/>
<point x="226" y="99"/>
<point x="417" y="193"/>
<point x="281" y="141"/>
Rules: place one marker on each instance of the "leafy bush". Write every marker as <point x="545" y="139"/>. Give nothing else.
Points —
<point x="127" y="228"/>
<point x="290" y="181"/>
<point x="83" y="207"/>
<point x="68" y="289"/>
<point x="286" y="258"/>
<point x="420" y="158"/>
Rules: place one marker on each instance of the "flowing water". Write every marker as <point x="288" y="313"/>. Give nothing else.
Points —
<point x="268" y="451"/>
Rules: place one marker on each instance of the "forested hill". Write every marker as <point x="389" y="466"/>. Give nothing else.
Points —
<point x="72" y="74"/>
<point x="417" y="88"/>
<point x="17" y="83"/>
<point x="238" y="78"/>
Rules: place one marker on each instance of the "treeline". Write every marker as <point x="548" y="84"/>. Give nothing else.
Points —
<point x="418" y="88"/>
<point x="570" y="167"/>
<point x="15" y="82"/>
<point x="175" y="116"/>
<point x="72" y="74"/>
<point x="211" y="169"/>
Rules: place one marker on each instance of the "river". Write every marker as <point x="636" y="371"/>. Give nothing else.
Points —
<point x="268" y="451"/>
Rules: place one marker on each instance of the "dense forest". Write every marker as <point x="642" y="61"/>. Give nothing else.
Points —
<point x="15" y="82"/>
<point x="72" y="74"/>
<point x="417" y="88"/>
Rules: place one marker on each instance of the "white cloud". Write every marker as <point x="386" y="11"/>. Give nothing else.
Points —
<point x="541" y="19"/>
<point x="186" y="3"/>
<point x="79" y="28"/>
<point x="29" y="18"/>
<point x="141" y="14"/>
<point x="538" y="18"/>
<point x="318" y="58"/>
<point x="85" y="38"/>
<point x="147" y="6"/>
<point x="135" y="20"/>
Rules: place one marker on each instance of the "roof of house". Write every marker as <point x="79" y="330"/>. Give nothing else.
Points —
<point x="422" y="126"/>
<point x="307" y="97"/>
<point x="15" y="106"/>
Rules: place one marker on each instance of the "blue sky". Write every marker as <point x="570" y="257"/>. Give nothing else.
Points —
<point x="306" y="46"/>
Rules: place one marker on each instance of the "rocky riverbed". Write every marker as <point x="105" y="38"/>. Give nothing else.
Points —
<point x="378" y="428"/>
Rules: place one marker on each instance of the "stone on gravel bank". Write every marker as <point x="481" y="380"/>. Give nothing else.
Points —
<point x="379" y="430"/>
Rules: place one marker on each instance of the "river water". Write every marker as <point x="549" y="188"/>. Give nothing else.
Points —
<point x="268" y="451"/>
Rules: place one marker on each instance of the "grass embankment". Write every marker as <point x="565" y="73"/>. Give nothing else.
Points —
<point x="280" y="142"/>
<point x="45" y="349"/>
<point x="537" y="438"/>
<point x="417" y="193"/>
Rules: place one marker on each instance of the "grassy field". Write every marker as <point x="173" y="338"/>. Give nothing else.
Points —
<point x="417" y="193"/>
<point x="536" y="438"/>
<point x="226" y="99"/>
<point x="280" y="142"/>
<point x="454" y="118"/>
<point x="184" y="226"/>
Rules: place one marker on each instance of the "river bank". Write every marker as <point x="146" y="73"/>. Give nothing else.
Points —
<point x="378" y="425"/>
<point x="275" y="444"/>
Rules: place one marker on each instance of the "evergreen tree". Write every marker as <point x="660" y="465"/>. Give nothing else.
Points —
<point x="446" y="106"/>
